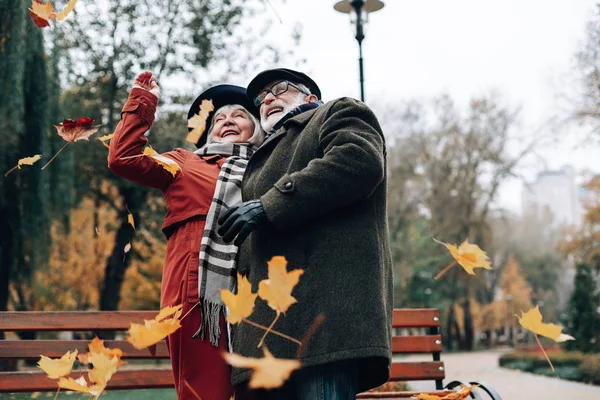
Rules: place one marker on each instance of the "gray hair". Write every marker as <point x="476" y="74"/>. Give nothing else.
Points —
<point x="303" y="87"/>
<point x="258" y="135"/>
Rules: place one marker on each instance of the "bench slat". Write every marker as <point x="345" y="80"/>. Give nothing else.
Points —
<point x="416" y="344"/>
<point x="417" y="371"/>
<point x="416" y="318"/>
<point x="13" y="321"/>
<point x="38" y="381"/>
<point x="32" y="349"/>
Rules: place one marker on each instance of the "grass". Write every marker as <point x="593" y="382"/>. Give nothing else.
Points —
<point x="139" y="394"/>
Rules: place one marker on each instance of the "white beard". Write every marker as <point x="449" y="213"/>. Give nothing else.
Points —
<point x="270" y="121"/>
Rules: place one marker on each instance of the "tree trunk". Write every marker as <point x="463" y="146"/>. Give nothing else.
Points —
<point x="468" y="324"/>
<point x="134" y="197"/>
<point x="451" y="319"/>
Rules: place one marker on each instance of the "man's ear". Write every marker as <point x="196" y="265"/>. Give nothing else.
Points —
<point x="311" y="98"/>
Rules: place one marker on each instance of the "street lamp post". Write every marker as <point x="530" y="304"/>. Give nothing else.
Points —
<point x="360" y="7"/>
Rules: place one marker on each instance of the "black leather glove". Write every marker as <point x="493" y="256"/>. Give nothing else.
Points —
<point x="241" y="220"/>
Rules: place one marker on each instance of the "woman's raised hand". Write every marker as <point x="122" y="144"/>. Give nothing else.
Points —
<point x="147" y="81"/>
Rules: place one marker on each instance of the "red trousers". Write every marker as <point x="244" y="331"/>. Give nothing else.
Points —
<point x="199" y="370"/>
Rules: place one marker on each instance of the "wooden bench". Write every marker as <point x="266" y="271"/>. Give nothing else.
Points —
<point x="152" y="377"/>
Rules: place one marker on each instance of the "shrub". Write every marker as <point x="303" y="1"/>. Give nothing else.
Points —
<point x="590" y="369"/>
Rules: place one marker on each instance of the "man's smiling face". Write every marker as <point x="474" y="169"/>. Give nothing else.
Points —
<point x="274" y="108"/>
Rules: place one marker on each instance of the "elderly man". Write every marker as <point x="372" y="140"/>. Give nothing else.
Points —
<point x="315" y="192"/>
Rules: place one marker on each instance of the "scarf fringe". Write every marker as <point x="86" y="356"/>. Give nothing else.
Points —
<point x="210" y="321"/>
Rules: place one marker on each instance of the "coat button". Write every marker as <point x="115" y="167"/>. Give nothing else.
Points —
<point x="288" y="186"/>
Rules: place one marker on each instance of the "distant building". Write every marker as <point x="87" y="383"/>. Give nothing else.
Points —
<point x="555" y="197"/>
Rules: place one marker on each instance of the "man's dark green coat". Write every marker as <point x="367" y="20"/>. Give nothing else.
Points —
<point x="322" y="181"/>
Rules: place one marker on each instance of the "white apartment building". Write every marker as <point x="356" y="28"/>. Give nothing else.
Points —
<point x="555" y="197"/>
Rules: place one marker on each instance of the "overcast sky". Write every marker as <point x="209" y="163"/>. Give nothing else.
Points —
<point x="522" y="49"/>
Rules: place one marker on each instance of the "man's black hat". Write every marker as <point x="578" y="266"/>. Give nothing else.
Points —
<point x="221" y="95"/>
<point x="261" y="80"/>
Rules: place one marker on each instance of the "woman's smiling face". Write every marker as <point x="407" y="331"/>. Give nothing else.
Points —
<point x="231" y="125"/>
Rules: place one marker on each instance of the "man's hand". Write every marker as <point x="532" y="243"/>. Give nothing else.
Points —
<point x="241" y="220"/>
<point x="147" y="81"/>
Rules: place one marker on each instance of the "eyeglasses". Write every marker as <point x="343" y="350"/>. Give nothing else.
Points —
<point x="277" y="89"/>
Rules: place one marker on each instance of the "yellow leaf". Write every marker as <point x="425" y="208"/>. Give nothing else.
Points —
<point x="468" y="255"/>
<point x="105" y="138"/>
<point x="154" y="330"/>
<point x="96" y="346"/>
<point x="269" y="372"/>
<point x="29" y="160"/>
<point x="104" y="368"/>
<point x="163" y="161"/>
<point x="277" y="290"/>
<point x="532" y="320"/>
<point x="463" y="393"/>
<point x="81" y="385"/>
<point x="198" y="121"/>
<point x="130" y="217"/>
<point x="44" y="11"/>
<point x="61" y="15"/>
<point x="55" y="368"/>
<point x="240" y="305"/>
<point x="24" y="161"/>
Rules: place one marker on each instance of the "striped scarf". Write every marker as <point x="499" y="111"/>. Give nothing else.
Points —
<point x="217" y="267"/>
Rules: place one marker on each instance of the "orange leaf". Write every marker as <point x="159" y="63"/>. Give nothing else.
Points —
<point x="55" y="368"/>
<point x="468" y="255"/>
<point x="269" y="372"/>
<point x="532" y="320"/>
<point x="44" y="11"/>
<point x="155" y="330"/>
<point x="130" y="218"/>
<point x="463" y="393"/>
<point x="198" y="121"/>
<point x="277" y="290"/>
<point x="240" y="305"/>
<point x="163" y="161"/>
<point x="70" y="6"/>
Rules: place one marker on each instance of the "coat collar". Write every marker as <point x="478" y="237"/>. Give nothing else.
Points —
<point x="299" y="120"/>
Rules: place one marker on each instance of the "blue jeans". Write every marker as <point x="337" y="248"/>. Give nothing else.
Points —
<point x="332" y="381"/>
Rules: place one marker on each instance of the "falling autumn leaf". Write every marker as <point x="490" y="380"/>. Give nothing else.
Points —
<point x="240" y="305"/>
<point x="73" y="131"/>
<point x="70" y="6"/>
<point x="163" y="161"/>
<point x="198" y="121"/>
<point x="24" y="161"/>
<point x="277" y="290"/>
<point x="467" y="255"/>
<point x="55" y="368"/>
<point x="532" y="320"/>
<point x="81" y="385"/>
<point x="41" y="13"/>
<point x="269" y="372"/>
<point x="130" y="218"/>
<point x="39" y="22"/>
<point x="105" y="138"/>
<point x="96" y="346"/>
<point x="463" y="393"/>
<point x="155" y="330"/>
<point x="127" y="248"/>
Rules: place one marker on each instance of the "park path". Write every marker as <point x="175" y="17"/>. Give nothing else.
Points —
<point x="510" y="384"/>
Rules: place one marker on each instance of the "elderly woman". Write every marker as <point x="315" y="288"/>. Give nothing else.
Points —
<point x="205" y="186"/>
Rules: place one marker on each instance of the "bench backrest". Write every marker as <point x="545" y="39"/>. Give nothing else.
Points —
<point x="77" y="321"/>
<point x="427" y="320"/>
<point x="160" y="377"/>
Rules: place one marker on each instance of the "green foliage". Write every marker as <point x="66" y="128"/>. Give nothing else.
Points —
<point x="584" y="320"/>
<point x="590" y="369"/>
